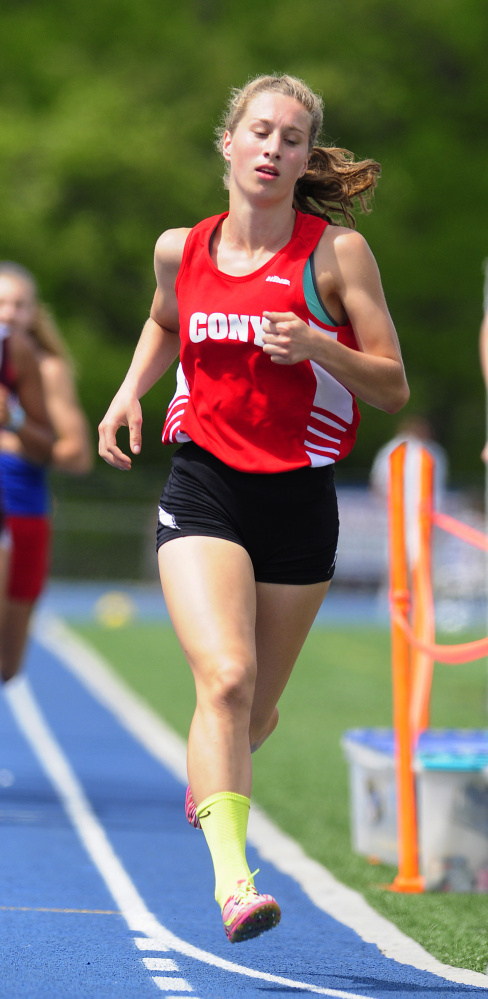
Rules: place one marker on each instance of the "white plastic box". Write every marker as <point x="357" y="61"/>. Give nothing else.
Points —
<point x="452" y="803"/>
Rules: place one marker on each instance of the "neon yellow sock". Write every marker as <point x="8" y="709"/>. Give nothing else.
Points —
<point x="224" y="818"/>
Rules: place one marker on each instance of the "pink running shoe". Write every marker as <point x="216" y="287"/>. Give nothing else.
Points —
<point x="190" y="809"/>
<point x="246" y="913"/>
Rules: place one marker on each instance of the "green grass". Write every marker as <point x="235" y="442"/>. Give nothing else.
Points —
<point x="342" y="680"/>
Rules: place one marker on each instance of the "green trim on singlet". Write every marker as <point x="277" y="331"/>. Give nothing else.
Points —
<point x="312" y="296"/>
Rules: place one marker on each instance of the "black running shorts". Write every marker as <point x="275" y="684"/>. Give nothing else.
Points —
<point x="287" y="521"/>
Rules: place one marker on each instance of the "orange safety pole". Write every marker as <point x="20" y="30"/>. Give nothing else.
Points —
<point x="423" y="613"/>
<point x="407" y="879"/>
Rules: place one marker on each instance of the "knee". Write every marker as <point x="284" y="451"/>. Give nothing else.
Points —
<point x="231" y="686"/>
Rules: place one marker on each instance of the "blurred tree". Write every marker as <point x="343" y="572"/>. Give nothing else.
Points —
<point x="108" y="114"/>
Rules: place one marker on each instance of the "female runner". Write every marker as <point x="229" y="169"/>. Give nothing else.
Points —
<point x="280" y="321"/>
<point x="24" y="482"/>
<point x="23" y="411"/>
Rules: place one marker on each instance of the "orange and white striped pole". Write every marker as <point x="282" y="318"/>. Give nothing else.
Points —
<point x="408" y="878"/>
<point x="423" y="613"/>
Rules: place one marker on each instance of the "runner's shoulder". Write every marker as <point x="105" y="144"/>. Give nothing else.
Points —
<point x="170" y="245"/>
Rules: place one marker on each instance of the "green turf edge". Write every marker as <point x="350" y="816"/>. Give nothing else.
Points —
<point x="342" y="680"/>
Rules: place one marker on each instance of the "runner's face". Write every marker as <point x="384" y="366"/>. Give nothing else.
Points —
<point x="17" y="304"/>
<point x="268" y="150"/>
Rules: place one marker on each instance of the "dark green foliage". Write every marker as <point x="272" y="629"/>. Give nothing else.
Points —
<point x="108" y="113"/>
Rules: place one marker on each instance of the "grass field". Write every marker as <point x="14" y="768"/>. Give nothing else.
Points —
<point x="342" y="680"/>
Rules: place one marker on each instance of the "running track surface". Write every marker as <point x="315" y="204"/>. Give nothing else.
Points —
<point x="108" y="893"/>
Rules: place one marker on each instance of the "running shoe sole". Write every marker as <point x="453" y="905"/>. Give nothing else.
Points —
<point x="264" y="916"/>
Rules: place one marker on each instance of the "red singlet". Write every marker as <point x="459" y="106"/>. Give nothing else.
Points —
<point x="231" y="399"/>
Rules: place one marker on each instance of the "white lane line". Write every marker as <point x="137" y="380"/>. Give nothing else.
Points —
<point x="92" y="834"/>
<point x="326" y="892"/>
<point x="160" y="964"/>
<point x="105" y="686"/>
<point x="172" y="984"/>
<point x="144" y="943"/>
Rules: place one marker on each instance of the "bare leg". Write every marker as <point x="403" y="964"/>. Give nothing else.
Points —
<point x="284" y="617"/>
<point x="210" y="592"/>
<point x="220" y="617"/>
<point x="14" y="621"/>
<point x="5" y="556"/>
<point x="14" y="631"/>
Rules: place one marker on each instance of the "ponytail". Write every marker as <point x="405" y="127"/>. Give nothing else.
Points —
<point x="333" y="183"/>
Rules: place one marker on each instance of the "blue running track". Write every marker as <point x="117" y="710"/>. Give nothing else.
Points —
<point x="107" y="893"/>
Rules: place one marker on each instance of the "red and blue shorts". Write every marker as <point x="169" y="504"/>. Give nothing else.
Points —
<point x="29" y="556"/>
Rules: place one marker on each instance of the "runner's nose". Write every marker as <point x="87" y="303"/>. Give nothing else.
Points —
<point x="272" y="148"/>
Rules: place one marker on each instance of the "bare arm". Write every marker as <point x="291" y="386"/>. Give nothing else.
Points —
<point x="349" y="284"/>
<point x="483" y="347"/>
<point x="36" y="433"/>
<point x="72" y="449"/>
<point x="156" y="350"/>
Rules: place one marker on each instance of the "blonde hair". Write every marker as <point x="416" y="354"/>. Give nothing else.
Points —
<point x="334" y="180"/>
<point x="44" y="330"/>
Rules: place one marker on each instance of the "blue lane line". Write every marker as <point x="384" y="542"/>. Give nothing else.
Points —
<point x="140" y="806"/>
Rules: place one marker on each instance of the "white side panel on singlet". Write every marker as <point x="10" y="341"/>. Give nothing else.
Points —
<point x="331" y="396"/>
